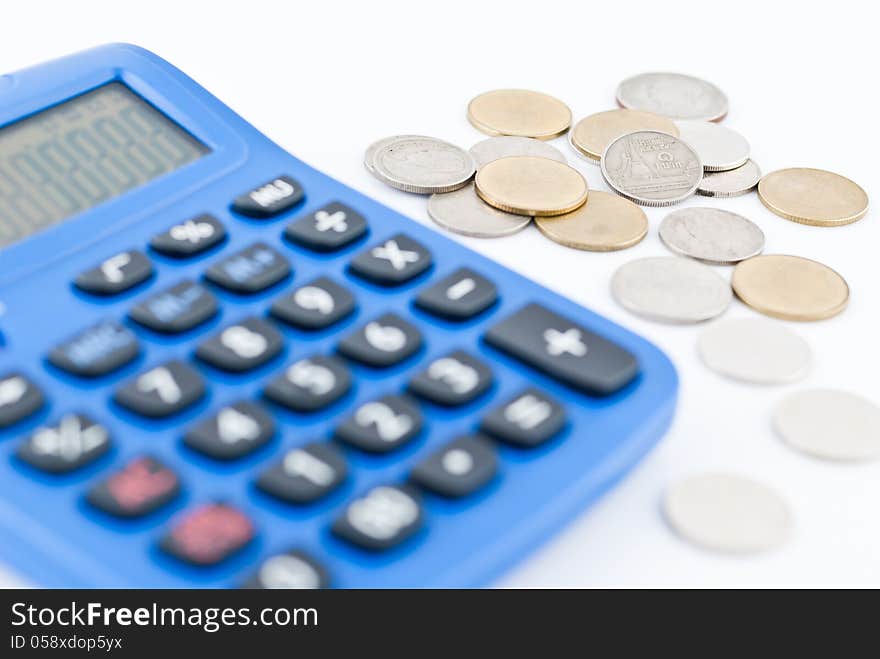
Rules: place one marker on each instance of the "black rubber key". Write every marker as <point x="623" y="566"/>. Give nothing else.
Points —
<point x="139" y="488"/>
<point x="564" y="350"/>
<point x="383" y="342"/>
<point x="270" y="198"/>
<point x="241" y="347"/>
<point x="73" y="442"/>
<point x="392" y="262"/>
<point x="208" y="534"/>
<point x="189" y="238"/>
<point x="451" y="380"/>
<point x="177" y="309"/>
<point x="233" y="432"/>
<point x="460" y="296"/>
<point x="249" y="271"/>
<point x="305" y="474"/>
<point x="381" y="519"/>
<point x="314" y="306"/>
<point x="332" y="227"/>
<point x="162" y="391"/>
<point x="19" y="398"/>
<point x="310" y="384"/>
<point x="458" y="469"/>
<point x="117" y="274"/>
<point x="382" y="425"/>
<point x="97" y="350"/>
<point x="292" y="570"/>
<point x="526" y="420"/>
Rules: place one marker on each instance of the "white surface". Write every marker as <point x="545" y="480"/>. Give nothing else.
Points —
<point x="325" y="79"/>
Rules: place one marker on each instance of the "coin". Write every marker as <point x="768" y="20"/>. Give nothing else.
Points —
<point x="755" y="350"/>
<point x="526" y="185"/>
<point x="673" y="95"/>
<point x="591" y="135"/>
<point x="813" y="196"/>
<point x="607" y="222"/>
<point x="720" y="148"/>
<point x="519" y="112"/>
<point x="370" y="153"/>
<point x="670" y="289"/>
<point x="830" y="424"/>
<point x="790" y="287"/>
<point x="732" y="183"/>
<point x="651" y="168"/>
<point x="420" y="164"/>
<point x="711" y="235"/>
<point x="505" y="146"/>
<point x="727" y="513"/>
<point x="464" y="212"/>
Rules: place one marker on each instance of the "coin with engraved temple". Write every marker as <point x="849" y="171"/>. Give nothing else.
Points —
<point x="507" y="145"/>
<point x="732" y="183"/>
<point x="711" y="235"/>
<point x="423" y="165"/>
<point x="813" y="196"/>
<point x="651" y="168"/>
<point x="526" y="185"/>
<point x="673" y="95"/>
<point x="606" y="223"/>
<point x="592" y="134"/>
<point x="790" y="287"/>
<point x="670" y="289"/>
<point x="519" y="112"/>
<point x="727" y="513"/>
<point x="464" y="212"/>
<point x="720" y="148"/>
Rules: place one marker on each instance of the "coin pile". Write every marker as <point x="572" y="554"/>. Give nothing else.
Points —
<point x="660" y="147"/>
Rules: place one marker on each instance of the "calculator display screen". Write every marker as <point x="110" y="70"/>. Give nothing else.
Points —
<point x="75" y="155"/>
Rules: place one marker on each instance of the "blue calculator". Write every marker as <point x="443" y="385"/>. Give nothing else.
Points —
<point x="222" y="368"/>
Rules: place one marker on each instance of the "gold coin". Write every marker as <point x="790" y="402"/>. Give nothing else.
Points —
<point x="813" y="196"/>
<point x="519" y="112"/>
<point x="592" y="134"/>
<point x="527" y="185"/>
<point x="790" y="287"/>
<point x="607" y="223"/>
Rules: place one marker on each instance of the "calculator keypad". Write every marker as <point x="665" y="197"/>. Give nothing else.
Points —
<point x="328" y="229"/>
<point x="232" y="432"/>
<point x="270" y="198"/>
<point x="116" y="274"/>
<point x="459" y="296"/>
<point x="305" y="474"/>
<point x="241" y="347"/>
<point x="381" y="519"/>
<point x="209" y="534"/>
<point x="19" y="398"/>
<point x="291" y="570"/>
<point x="96" y="350"/>
<point x="180" y="308"/>
<point x="528" y="419"/>
<point x="249" y="271"/>
<point x="382" y="425"/>
<point x="310" y="384"/>
<point x="392" y="262"/>
<point x="72" y="442"/>
<point x="452" y="380"/>
<point x="141" y="486"/>
<point x="458" y="469"/>
<point x="162" y="391"/>
<point x="314" y="306"/>
<point x="383" y="342"/>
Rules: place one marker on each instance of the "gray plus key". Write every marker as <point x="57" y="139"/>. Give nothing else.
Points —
<point x="564" y="350"/>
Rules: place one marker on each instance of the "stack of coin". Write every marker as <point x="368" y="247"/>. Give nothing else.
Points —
<point x="661" y="146"/>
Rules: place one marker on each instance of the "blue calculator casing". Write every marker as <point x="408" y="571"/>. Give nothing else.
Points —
<point x="53" y="538"/>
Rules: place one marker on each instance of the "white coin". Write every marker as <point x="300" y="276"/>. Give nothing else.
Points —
<point x="732" y="183"/>
<point x="830" y="424"/>
<point x="673" y="95"/>
<point x="720" y="148"/>
<point x="711" y="235"/>
<point x="420" y="164"/>
<point x="464" y="212"/>
<point x="671" y="289"/>
<point x="509" y="145"/>
<point x="727" y="513"/>
<point x="755" y="350"/>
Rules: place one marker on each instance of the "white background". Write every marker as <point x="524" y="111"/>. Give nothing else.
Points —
<point x="324" y="79"/>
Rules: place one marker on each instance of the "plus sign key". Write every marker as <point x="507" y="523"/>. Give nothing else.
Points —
<point x="332" y="227"/>
<point x="564" y="350"/>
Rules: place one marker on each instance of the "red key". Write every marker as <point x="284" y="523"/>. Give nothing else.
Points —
<point x="140" y="487"/>
<point x="209" y="534"/>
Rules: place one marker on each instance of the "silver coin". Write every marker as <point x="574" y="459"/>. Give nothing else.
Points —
<point x="420" y="164"/>
<point x="728" y="513"/>
<point x="651" y="168"/>
<point x="711" y="235"/>
<point x="755" y="350"/>
<point x="462" y="211"/>
<point x="671" y="289"/>
<point x="505" y="146"/>
<point x="673" y="95"/>
<point x="732" y="183"/>
<point x="830" y="424"/>
<point x="373" y="149"/>
<point x="720" y="148"/>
